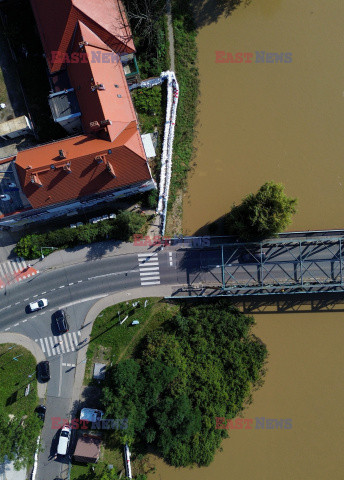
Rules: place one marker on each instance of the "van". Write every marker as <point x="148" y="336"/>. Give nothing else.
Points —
<point x="64" y="440"/>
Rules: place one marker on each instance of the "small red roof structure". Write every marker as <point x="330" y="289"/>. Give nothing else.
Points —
<point x="56" y="21"/>
<point x="87" y="449"/>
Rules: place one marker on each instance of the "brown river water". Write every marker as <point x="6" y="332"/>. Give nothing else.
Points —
<point x="281" y="122"/>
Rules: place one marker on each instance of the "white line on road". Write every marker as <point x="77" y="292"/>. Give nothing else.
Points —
<point x="35" y="296"/>
<point x="147" y="255"/>
<point x="43" y="293"/>
<point x="148" y="269"/>
<point x="23" y="321"/>
<point x="150" y="283"/>
<point x="112" y="273"/>
<point x="79" y="281"/>
<point x="47" y="345"/>
<point x="60" y="381"/>
<point x="17" y="303"/>
<point x="26" y="299"/>
<point x="53" y="289"/>
<point x="71" y="283"/>
<point x="42" y="345"/>
<point x="84" y="300"/>
<point x="62" y="286"/>
<point x="16" y="324"/>
<point x="150" y="264"/>
<point x="6" y="329"/>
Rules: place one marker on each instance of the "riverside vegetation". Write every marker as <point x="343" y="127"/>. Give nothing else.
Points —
<point x="186" y="366"/>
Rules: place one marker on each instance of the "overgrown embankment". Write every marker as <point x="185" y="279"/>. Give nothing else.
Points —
<point x="185" y="34"/>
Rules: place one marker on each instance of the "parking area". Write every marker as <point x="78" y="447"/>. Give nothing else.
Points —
<point x="10" y="199"/>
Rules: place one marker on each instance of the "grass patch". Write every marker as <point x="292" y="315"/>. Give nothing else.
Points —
<point x="14" y="378"/>
<point x="111" y="342"/>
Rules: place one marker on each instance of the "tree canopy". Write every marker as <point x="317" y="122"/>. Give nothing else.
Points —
<point x="261" y="215"/>
<point x="198" y="366"/>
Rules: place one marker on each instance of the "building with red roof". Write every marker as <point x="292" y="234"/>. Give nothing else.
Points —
<point x="107" y="156"/>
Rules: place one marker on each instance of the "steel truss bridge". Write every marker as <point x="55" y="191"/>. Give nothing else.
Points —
<point x="281" y="266"/>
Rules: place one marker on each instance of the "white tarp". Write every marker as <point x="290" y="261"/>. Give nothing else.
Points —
<point x="148" y="145"/>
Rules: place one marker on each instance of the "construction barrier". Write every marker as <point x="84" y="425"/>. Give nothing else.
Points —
<point x="167" y="147"/>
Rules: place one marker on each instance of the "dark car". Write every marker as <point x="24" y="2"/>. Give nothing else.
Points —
<point x="40" y="411"/>
<point x="61" y="321"/>
<point x="43" y="371"/>
<point x="252" y="257"/>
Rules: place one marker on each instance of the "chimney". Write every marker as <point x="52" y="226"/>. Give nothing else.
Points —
<point x="67" y="168"/>
<point x="110" y="169"/>
<point x="94" y="124"/>
<point x="35" y="179"/>
<point x="105" y="122"/>
<point x="62" y="154"/>
<point x="100" y="159"/>
<point x="97" y="86"/>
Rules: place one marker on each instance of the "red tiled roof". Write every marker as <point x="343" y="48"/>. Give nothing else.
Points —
<point x="80" y="174"/>
<point x="57" y="20"/>
<point x="112" y="103"/>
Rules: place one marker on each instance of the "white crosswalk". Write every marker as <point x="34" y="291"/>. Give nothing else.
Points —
<point x="149" y="268"/>
<point x="68" y="342"/>
<point x="9" y="268"/>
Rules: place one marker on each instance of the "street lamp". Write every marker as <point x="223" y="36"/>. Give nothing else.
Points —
<point x="16" y="358"/>
<point x="42" y="254"/>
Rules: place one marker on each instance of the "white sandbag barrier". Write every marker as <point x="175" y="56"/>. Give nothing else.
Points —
<point x="167" y="147"/>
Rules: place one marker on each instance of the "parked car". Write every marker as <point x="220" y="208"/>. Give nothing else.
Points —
<point x="91" y="414"/>
<point x="5" y="197"/>
<point x="252" y="257"/>
<point x="64" y="440"/>
<point x="40" y="411"/>
<point x="43" y="371"/>
<point x="12" y="185"/>
<point x="61" y="321"/>
<point x="38" y="305"/>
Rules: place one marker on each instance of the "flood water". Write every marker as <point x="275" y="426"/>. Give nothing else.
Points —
<point x="281" y="122"/>
<point x="271" y="121"/>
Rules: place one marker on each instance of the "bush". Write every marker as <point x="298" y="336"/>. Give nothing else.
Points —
<point x="121" y="228"/>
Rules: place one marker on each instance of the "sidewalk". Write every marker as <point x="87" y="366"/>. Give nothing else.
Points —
<point x="86" y="329"/>
<point x="88" y="253"/>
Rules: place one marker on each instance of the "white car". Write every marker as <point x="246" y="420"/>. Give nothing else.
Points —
<point x="5" y="197"/>
<point x="91" y="415"/>
<point x="64" y="440"/>
<point x="38" y="305"/>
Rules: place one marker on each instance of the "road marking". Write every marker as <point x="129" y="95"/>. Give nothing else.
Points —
<point x="112" y="273"/>
<point x="60" y="381"/>
<point x="6" y="329"/>
<point x="96" y="297"/>
<point x="52" y="346"/>
<point x="71" y="283"/>
<point x="149" y="269"/>
<point x="43" y="293"/>
<point x="47" y="345"/>
<point x="35" y="296"/>
<point x="79" y="281"/>
<point x="68" y="364"/>
<point x="53" y="289"/>
<point x="23" y="321"/>
<point x="16" y="324"/>
<point x="17" y="303"/>
<point x="42" y="345"/>
<point x="62" y="286"/>
<point x="26" y="299"/>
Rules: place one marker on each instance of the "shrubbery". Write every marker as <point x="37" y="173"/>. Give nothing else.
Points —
<point x="120" y="228"/>
<point x="200" y="365"/>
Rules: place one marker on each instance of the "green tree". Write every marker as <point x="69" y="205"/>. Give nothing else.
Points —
<point x="261" y="215"/>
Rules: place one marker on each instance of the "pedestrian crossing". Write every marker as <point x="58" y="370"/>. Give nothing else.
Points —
<point x="11" y="267"/>
<point x="68" y="342"/>
<point x="149" y="269"/>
